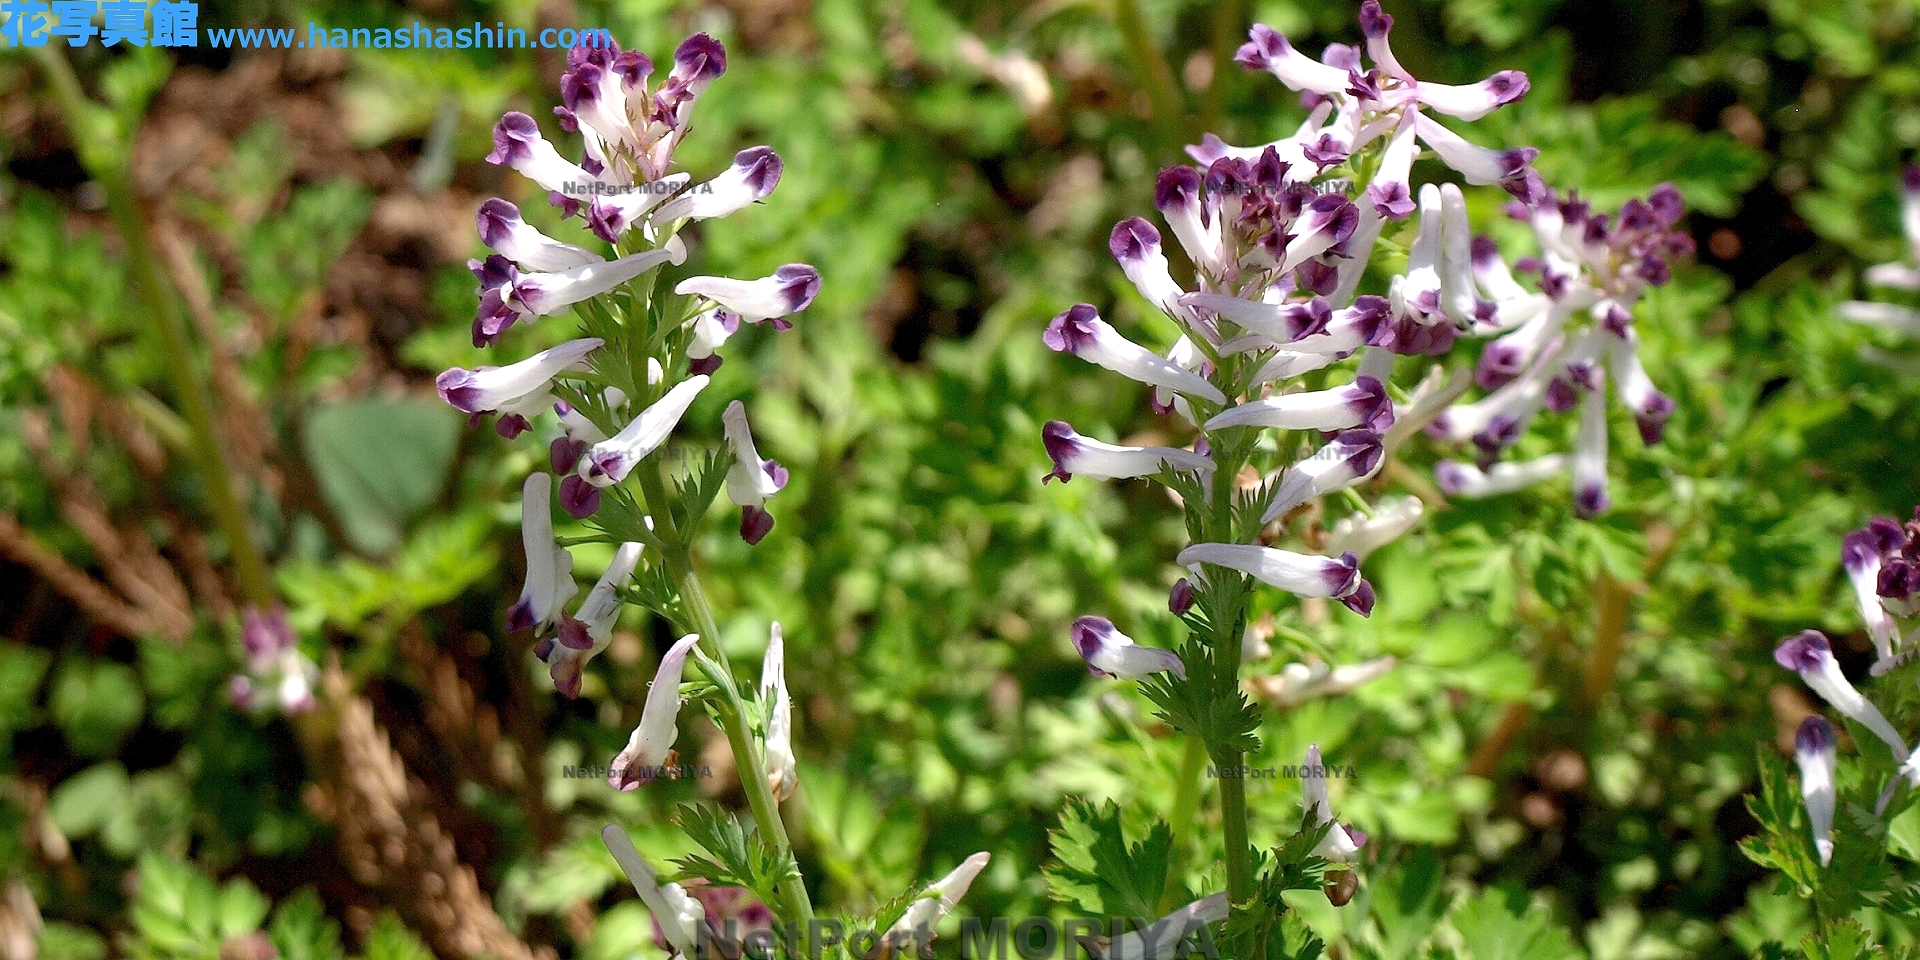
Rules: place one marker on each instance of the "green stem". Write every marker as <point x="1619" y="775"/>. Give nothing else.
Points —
<point x="1186" y="809"/>
<point x="747" y="754"/>
<point x="748" y="758"/>
<point x="1151" y="66"/>
<point x="1227" y="623"/>
<point x="196" y="406"/>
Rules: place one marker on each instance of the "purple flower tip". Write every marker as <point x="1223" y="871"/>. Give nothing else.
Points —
<point x="1063" y="444"/>
<point x="755" y="524"/>
<point x="1133" y="240"/>
<point x="799" y="283"/>
<point x="761" y="168"/>
<point x="699" y="59"/>
<point x="1361" y="600"/>
<point x="511" y="426"/>
<point x="1180" y="600"/>
<point x="1507" y="86"/>
<point x="456" y="388"/>
<point x="1176" y="187"/>
<point x="1073" y="330"/>
<point x="1591" y="500"/>
<point x="1263" y="45"/>
<point x="1374" y="22"/>
<point x="1090" y="636"/>
<point x="510" y="138"/>
<point x="1805" y="652"/>
<point x="1815" y="735"/>
<point x="578" y="498"/>
<point x="495" y="219"/>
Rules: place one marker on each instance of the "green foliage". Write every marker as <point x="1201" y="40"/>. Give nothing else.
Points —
<point x="1099" y="871"/>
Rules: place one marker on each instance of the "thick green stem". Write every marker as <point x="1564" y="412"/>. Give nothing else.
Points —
<point x="1227" y="624"/>
<point x="196" y="406"/>
<point x="747" y="756"/>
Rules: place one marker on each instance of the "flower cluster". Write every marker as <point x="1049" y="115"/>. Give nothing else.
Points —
<point x="1882" y="560"/>
<point x="619" y="394"/>
<point x="1280" y="236"/>
<point x="1895" y="276"/>
<point x="1555" y="345"/>
<point x="278" y="675"/>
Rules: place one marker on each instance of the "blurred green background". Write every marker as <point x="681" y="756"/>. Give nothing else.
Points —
<point x="952" y="169"/>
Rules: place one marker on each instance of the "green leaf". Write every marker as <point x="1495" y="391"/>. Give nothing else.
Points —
<point x="85" y="801"/>
<point x="21" y="670"/>
<point x="301" y="929"/>
<point x="1504" y="924"/>
<point x="1408" y="902"/>
<point x="1100" y="871"/>
<point x="96" y="703"/>
<point x="391" y="940"/>
<point x="379" y="462"/>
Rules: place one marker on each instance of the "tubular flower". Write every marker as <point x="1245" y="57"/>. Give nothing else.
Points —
<point x="1074" y="454"/>
<point x="1904" y="276"/>
<point x="1342" y="842"/>
<point x="507" y="295"/>
<point x="1810" y="655"/>
<point x="518" y="389"/>
<point x="1553" y="345"/>
<point x="1813" y="749"/>
<point x="1361" y="403"/>
<point x="1080" y="331"/>
<point x="751" y="480"/>
<point x="1163" y="938"/>
<point x="1110" y="653"/>
<point x="549" y="566"/>
<point x="1351" y="457"/>
<point x="1882" y="561"/>
<point x="502" y="229"/>
<point x="678" y="915"/>
<point x="916" y="925"/>
<point x="1458" y="479"/>
<point x="584" y="635"/>
<point x="609" y="461"/>
<point x="278" y="676"/>
<point x="783" y="772"/>
<point x="1362" y="535"/>
<point x="788" y="291"/>
<point x="650" y="749"/>
<point x="1386" y="100"/>
<point x="1296" y="683"/>
<point x="1297" y="573"/>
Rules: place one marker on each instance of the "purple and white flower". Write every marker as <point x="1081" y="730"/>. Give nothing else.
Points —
<point x="1342" y="842"/>
<point x="1458" y="479"/>
<point x="751" y="179"/>
<point x="1352" y="456"/>
<point x="1297" y="573"/>
<point x="650" y="748"/>
<point x="508" y="296"/>
<point x="523" y="388"/>
<point x="549" y="566"/>
<point x="1364" y="402"/>
<point x="609" y="461"/>
<point x="1811" y="656"/>
<point x="788" y="291"/>
<point x="502" y="229"/>
<point x="1110" y="653"/>
<point x="1813" y="750"/>
<point x="783" y="772"/>
<point x="584" y="635"/>
<point x="751" y="480"/>
<point x="1074" y="454"/>
<point x="1080" y="331"/>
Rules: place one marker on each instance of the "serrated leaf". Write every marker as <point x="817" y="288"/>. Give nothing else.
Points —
<point x="1099" y="870"/>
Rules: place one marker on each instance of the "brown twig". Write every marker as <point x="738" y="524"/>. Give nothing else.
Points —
<point x="88" y="594"/>
<point x="393" y="843"/>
